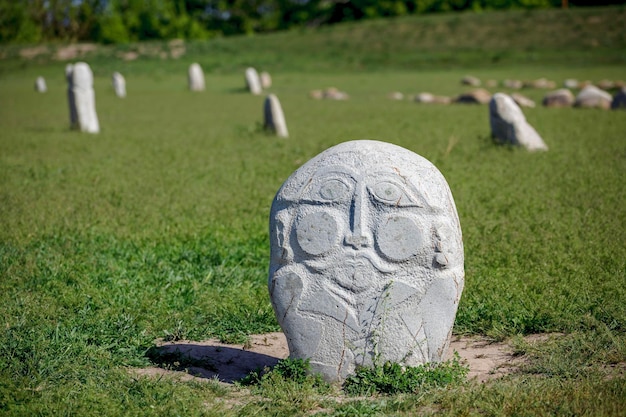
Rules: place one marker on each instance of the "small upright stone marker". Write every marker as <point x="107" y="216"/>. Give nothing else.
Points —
<point x="274" y="116"/>
<point x="84" y="98"/>
<point x="266" y="79"/>
<point x="253" y="82"/>
<point x="195" y="77"/>
<point x="366" y="259"/>
<point x="119" y="84"/>
<point x="40" y="85"/>
<point x="509" y="125"/>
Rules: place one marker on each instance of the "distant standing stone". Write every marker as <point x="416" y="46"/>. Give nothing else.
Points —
<point x="119" y="84"/>
<point x="508" y="124"/>
<point x="395" y="95"/>
<point x="559" y="98"/>
<point x="470" y="80"/>
<point x="478" y="96"/>
<point x="85" y="98"/>
<point x="366" y="259"/>
<point x="274" y="116"/>
<point x="195" y="77"/>
<point x="253" y="81"/>
<point x="40" y="85"/>
<point x="266" y="79"/>
<point x="619" y="100"/>
<point x="592" y="96"/>
<point x="571" y="83"/>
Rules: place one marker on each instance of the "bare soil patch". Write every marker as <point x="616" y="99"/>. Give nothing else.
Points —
<point x="486" y="359"/>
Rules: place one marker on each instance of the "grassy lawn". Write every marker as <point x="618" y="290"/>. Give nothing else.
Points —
<point x="157" y="227"/>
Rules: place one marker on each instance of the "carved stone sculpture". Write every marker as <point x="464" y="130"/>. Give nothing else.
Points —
<point x="274" y="116"/>
<point x="366" y="259"/>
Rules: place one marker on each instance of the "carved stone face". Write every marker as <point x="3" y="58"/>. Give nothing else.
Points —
<point x="358" y="236"/>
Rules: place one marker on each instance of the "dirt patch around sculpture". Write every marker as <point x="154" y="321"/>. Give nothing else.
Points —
<point x="213" y="360"/>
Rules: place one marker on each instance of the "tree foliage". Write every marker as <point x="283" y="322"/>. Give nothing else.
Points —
<point x="120" y="21"/>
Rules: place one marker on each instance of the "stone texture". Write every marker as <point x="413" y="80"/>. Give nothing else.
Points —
<point x="619" y="100"/>
<point x="513" y="84"/>
<point x="605" y="84"/>
<point x="195" y="77"/>
<point x="429" y="98"/>
<point x="83" y="98"/>
<point x="274" y="116"/>
<point x="478" y="96"/>
<point x="540" y="83"/>
<point x="470" y="80"/>
<point x="119" y="84"/>
<point x="522" y="101"/>
<point x="40" y="85"/>
<point x="332" y="93"/>
<point x="571" y="83"/>
<point x="593" y="97"/>
<point x="508" y="124"/>
<point x="71" y="101"/>
<point x="266" y="79"/>
<point x="559" y="98"/>
<point x="253" y="82"/>
<point x="366" y="259"/>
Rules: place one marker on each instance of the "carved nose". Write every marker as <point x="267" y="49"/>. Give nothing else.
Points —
<point x="359" y="237"/>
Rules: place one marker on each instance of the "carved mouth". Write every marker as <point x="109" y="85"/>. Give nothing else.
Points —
<point x="357" y="260"/>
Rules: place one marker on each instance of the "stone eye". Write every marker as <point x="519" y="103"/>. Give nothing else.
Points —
<point x="391" y="194"/>
<point x="334" y="190"/>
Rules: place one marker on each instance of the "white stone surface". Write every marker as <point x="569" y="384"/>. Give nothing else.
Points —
<point x="274" y="116"/>
<point x="592" y="96"/>
<point x="84" y="98"/>
<point x="522" y="101"/>
<point x="366" y="259"/>
<point x="266" y="79"/>
<point x="253" y="82"/>
<point x="509" y="125"/>
<point x="119" y="84"/>
<point x="195" y="77"/>
<point x="40" y="85"/>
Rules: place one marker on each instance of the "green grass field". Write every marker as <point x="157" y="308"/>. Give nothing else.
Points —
<point x="157" y="227"/>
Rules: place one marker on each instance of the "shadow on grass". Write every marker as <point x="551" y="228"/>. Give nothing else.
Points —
<point x="229" y="364"/>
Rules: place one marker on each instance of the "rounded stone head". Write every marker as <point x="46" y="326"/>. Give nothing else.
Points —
<point x="366" y="258"/>
<point x="82" y="77"/>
